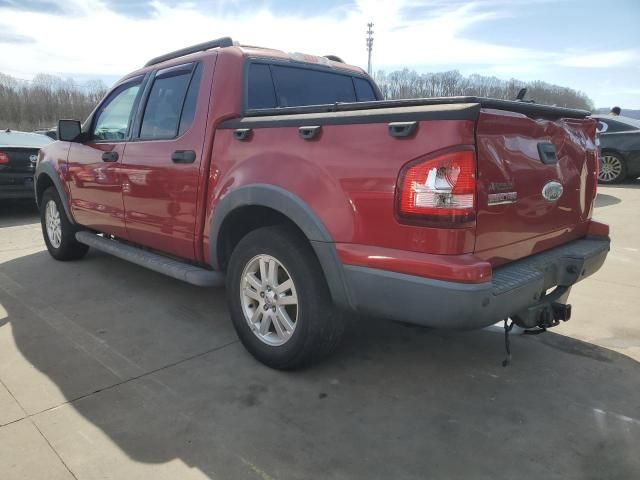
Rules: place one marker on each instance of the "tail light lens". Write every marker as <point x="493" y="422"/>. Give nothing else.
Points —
<point x="4" y="158"/>
<point x="440" y="190"/>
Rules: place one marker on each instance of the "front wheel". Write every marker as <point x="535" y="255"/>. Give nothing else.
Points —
<point x="612" y="169"/>
<point x="58" y="232"/>
<point x="279" y="300"/>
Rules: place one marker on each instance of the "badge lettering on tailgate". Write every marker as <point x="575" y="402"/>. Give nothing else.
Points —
<point x="502" y="198"/>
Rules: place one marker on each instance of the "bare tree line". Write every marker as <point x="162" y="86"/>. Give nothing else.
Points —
<point x="39" y="103"/>
<point x="410" y="84"/>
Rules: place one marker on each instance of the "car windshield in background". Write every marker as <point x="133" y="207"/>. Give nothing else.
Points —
<point x="272" y="86"/>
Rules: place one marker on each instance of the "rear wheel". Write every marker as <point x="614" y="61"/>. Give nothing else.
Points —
<point x="612" y="169"/>
<point x="59" y="233"/>
<point x="279" y="300"/>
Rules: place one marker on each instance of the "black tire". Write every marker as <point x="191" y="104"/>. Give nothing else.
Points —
<point x="69" y="248"/>
<point x="620" y="175"/>
<point x="319" y="327"/>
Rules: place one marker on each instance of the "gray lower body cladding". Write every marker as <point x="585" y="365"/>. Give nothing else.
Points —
<point x="514" y="288"/>
<point x="158" y="263"/>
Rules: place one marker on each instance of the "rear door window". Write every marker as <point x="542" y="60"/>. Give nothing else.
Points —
<point x="191" y="102"/>
<point x="164" y="109"/>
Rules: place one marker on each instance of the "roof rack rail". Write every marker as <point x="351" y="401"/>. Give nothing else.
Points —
<point x="200" y="47"/>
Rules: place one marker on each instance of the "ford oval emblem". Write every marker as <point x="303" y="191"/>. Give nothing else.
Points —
<point x="552" y="191"/>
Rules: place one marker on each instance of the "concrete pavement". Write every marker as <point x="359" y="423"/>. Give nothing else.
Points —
<point x="109" y="371"/>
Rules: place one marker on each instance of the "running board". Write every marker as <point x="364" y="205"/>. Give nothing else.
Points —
<point x="158" y="263"/>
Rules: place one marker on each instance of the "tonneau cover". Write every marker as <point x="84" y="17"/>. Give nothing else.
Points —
<point x="531" y="109"/>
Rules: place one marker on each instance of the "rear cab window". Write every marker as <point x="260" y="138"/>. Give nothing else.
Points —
<point x="275" y="85"/>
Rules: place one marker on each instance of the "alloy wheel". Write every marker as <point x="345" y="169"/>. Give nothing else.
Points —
<point x="610" y="168"/>
<point x="269" y="300"/>
<point x="53" y="224"/>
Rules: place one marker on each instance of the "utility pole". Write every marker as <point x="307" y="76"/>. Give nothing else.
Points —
<point x="369" y="44"/>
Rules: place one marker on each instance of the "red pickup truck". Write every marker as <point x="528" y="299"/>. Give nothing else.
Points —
<point x="290" y="179"/>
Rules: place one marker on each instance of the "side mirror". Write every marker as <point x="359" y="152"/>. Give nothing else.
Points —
<point x="69" y="130"/>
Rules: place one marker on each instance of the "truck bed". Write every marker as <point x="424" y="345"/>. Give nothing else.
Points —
<point x="353" y="165"/>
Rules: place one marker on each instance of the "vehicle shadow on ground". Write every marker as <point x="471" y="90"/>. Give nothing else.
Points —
<point x="604" y="200"/>
<point x="18" y="212"/>
<point x="394" y="402"/>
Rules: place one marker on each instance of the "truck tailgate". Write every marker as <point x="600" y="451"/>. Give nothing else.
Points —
<point x="524" y="163"/>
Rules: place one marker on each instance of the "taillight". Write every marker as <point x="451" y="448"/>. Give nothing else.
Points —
<point x="4" y="158"/>
<point x="439" y="190"/>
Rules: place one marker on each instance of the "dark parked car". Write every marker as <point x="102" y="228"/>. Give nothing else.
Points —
<point x="619" y="148"/>
<point x="18" y="158"/>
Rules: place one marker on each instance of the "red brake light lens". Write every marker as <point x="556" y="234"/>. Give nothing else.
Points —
<point x="439" y="190"/>
<point x="4" y="158"/>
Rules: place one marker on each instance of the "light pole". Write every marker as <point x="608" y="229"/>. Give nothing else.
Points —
<point x="369" y="45"/>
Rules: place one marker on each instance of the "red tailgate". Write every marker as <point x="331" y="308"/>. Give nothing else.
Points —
<point x="518" y="214"/>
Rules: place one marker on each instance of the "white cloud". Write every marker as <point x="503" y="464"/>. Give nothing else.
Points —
<point x="616" y="58"/>
<point x="94" y="40"/>
<point x="99" y="41"/>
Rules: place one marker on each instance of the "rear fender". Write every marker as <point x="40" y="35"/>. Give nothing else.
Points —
<point x="295" y="209"/>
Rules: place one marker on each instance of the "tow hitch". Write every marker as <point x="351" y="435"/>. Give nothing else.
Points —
<point x="547" y="313"/>
<point x="561" y="312"/>
<point x="550" y="310"/>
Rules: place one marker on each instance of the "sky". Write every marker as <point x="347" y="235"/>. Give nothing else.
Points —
<point x="588" y="45"/>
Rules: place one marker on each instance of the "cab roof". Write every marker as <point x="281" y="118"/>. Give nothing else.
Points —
<point x="261" y="52"/>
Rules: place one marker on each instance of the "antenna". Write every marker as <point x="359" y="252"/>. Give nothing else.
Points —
<point x="369" y="44"/>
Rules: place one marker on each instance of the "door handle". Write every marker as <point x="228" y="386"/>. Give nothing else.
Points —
<point x="110" y="157"/>
<point x="402" y="129"/>
<point x="183" y="156"/>
<point x="242" y="134"/>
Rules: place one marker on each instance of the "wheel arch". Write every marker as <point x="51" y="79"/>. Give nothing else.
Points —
<point x="253" y="206"/>
<point x="614" y="151"/>
<point x="46" y="176"/>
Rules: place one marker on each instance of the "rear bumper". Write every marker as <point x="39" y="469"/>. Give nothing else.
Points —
<point x="514" y="288"/>
<point x="16" y="185"/>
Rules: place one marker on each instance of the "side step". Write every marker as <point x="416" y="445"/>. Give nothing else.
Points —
<point x="158" y="263"/>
